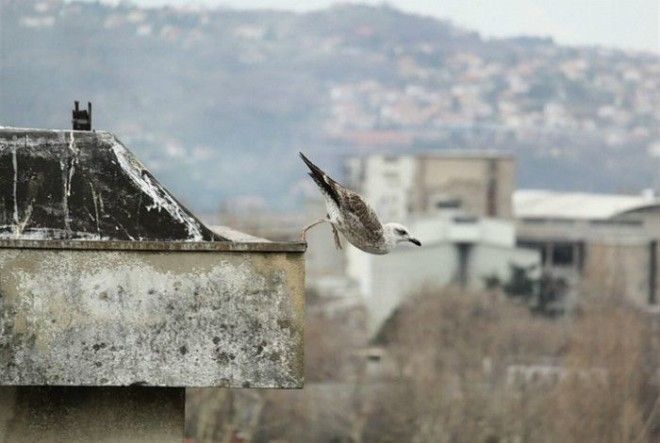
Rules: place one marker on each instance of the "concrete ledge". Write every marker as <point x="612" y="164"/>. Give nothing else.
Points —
<point x="119" y="245"/>
<point x="145" y="313"/>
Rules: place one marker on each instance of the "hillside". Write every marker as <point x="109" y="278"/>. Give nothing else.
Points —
<point x="217" y="102"/>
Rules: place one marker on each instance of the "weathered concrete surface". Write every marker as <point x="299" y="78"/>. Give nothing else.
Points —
<point x="167" y="318"/>
<point x="81" y="415"/>
<point x="158" y="246"/>
<point x="85" y="185"/>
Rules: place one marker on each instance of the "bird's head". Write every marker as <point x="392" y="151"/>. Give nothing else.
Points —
<point x="397" y="233"/>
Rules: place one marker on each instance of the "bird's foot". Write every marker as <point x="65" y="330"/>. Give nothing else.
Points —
<point x="307" y="228"/>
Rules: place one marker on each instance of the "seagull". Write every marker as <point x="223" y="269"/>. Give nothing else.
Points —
<point x="349" y="214"/>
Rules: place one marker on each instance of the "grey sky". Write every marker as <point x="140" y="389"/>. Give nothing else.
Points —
<point x="629" y="24"/>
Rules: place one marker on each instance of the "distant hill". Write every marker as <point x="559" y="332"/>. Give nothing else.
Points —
<point x="217" y="102"/>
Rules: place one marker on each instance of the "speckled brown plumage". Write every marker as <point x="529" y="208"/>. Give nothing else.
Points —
<point x="349" y="213"/>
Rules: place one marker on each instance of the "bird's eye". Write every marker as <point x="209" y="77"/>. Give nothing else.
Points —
<point x="400" y="232"/>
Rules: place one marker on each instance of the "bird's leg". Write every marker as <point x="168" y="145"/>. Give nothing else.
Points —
<point x="307" y="228"/>
<point x="336" y="234"/>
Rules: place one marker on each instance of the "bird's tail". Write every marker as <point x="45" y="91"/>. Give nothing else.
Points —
<point x="322" y="179"/>
<point x="315" y="169"/>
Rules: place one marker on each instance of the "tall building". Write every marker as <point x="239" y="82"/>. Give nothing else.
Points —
<point x="474" y="183"/>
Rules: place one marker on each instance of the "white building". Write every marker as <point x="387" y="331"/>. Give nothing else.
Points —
<point x="385" y="181"/>
<point x="459" y="250"/>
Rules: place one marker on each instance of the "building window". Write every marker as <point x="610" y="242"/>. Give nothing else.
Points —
<point x="452" y="203"/>
<point x="563" y="254"/>
<point x="466" y="219"/>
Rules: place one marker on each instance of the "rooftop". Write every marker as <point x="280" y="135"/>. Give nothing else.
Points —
<point x="539" y="204"/>
<point x="85" y="185"/>
<point x="477" y="154"/>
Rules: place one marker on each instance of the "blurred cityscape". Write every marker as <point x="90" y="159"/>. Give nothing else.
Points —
<point x="528" y="170"/>
<point x="519" y="307"/>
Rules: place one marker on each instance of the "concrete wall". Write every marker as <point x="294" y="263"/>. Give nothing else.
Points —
<point x="648" y="217"/>
<point x="494" y="260"/>
<point x="399" y="185"/>
<point x="386" y="182"/>
<point x="52" y="414"/>
<point x="578" y="230"/>
<point x="155" y="299"/>
<point x="386" y="281"/>
<point x="397" y="275"/>
<point x="617" y="258"/>
<point x="617" y="270"/>
<point x="467" y="179"/>
<point x="483" y="230"/>
<point x="210" y="314"/>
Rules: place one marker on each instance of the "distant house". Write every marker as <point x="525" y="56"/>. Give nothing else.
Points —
<point x="601" y="243"/>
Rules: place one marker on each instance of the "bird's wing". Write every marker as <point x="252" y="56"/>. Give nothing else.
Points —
<point x="327" y="185"/>
<point x="359" y="214"/>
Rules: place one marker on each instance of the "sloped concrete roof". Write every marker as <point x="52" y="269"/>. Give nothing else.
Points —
<point x="85" y="185"/>
<point x="576" y="205"/>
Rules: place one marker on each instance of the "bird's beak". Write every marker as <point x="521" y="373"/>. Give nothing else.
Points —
<point x="414" y="241"/>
